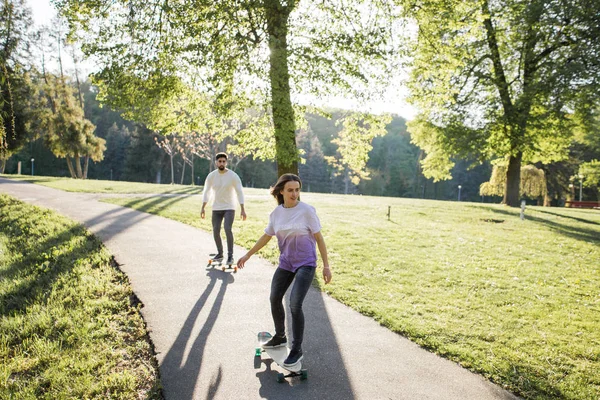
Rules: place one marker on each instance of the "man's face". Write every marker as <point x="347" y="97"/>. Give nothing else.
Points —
<point x="222" y="163"/>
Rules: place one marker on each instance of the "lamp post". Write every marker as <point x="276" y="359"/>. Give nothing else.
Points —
<point x="32" y="160"/>
<point x="580" y="183"/>
<point x="572" y="191"/>
<point x="459" y="187"/>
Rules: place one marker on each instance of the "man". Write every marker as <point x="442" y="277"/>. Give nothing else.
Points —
<point x="223" y="184"/>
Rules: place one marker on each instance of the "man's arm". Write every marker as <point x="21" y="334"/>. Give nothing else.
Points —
<point x="240" y="194"/>
<point x="205" y="194"/>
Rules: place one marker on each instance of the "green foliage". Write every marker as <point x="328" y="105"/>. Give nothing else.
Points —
<point x="354" y="143"/>
<point x="532" y="184"/>
<point x="436" y="164"/>
<point x="67" y="133"/>
<point x="494" y="79"/>
<point x="68" y="327"/>
<point x="591" y="175"/>
<point x="227" y="50"/>
<point x="15" y="90"/>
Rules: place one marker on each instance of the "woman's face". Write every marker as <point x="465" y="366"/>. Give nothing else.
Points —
<point x="291" y="193"/>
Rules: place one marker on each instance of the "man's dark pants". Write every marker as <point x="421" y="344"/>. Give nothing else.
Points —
<point x="217" y="220"/>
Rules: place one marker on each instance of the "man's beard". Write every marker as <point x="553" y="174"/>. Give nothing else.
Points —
<point x="221" y="167"/>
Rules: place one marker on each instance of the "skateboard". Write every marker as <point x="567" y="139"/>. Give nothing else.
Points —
<point x="224" y="266"/>
<point x="279" y="354"/>
<point x="229" y="266"/>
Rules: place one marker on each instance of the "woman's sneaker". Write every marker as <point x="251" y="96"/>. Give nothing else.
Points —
<point x="276" y="341"/>
<point x="293" y="358"/>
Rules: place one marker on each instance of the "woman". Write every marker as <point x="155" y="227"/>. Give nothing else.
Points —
<point x="298" y="232"/>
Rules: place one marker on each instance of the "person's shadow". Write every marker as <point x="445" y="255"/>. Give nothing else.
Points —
<point x="184" y="372"/>
<point x="327" y="375"/>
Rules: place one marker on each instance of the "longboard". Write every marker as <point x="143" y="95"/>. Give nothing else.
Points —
<point x="279" y="354"/>
<point x="219" y="263"/>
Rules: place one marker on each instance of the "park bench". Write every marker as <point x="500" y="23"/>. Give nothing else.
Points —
<point x="582" y="204"/>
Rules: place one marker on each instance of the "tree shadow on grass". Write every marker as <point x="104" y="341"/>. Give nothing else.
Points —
<point x="583" y="234"/>
<point x="183" y="370"/>
<point x="585" y="221"/>
<point x="40" y="268"/>
<point x="189" y="190"/>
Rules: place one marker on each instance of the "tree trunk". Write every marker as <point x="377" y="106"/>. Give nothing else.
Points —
<point x="281" y="103"/>
<point x="512" y="193"/>
<point x="86" y="166"/>
<point x="183" y="172"/>
<point x="193" y="177"/>
<point x="71" y="170"/>
<point x="346" y="180"/>
<point x="172" y="170"/>
<point x="78" y="166"/>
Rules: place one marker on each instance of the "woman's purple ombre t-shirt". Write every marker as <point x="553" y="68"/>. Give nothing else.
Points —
<point x="295" y="228"/>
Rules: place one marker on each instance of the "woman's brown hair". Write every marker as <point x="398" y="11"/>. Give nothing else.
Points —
<point x="283" y="179"/>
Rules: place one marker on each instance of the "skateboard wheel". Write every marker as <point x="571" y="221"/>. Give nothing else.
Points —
<point x="222" y="268"/>
<point x="258" y="352"/>
<point x="280" y="377"/>
<point x="234" y="269"/>
<point x="209" y="262"/>
<point x="304" y="374"/>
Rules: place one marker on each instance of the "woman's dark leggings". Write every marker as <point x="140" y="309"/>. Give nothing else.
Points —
<point x="282" y="280"/>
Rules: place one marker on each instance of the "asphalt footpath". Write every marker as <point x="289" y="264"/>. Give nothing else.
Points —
<point x="203" y="321"/>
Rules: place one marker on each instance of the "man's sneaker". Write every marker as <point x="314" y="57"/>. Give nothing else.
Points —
<point x="276" y="341"/>
<point x="293" y="358"/>
<point x="218" y="257"/>
<point x="230" y="260"/>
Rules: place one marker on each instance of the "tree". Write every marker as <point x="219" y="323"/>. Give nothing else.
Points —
<point x="532" y="184"/>
<point x="67" y="133"/>
<point x="313" y="170"/>
<point x="118" y="141"/>
<point x="354" y="144"/>
<point x="15" y="83"/>
<point x="230" y="49"/>
<point x="498" y="79"/>
<point x="591" y="175"/>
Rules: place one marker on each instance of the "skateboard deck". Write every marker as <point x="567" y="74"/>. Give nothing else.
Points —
<point x="220" y="263"/>
<point x="279" y="354"/>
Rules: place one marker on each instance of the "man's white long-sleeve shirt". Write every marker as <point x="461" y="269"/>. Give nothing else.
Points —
<point x="225" y="189"/>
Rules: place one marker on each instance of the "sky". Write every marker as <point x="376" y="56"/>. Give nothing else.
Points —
<point x="392" y="102"/>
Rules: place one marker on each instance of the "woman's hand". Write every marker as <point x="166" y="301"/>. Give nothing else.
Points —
<point x="242" y="261"/>
<point x="327" y="275"/>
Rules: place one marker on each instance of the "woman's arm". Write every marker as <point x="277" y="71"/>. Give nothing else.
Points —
<point x="260" y="243"/>
<point x="323" y="251"/>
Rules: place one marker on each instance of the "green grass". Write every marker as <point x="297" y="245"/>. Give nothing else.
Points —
<point x="516" y="301"/>
<point x="69" y="327"/>
<point x="96" y="186"/>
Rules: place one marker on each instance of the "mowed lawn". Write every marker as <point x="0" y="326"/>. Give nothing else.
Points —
<point x="517" y="301"/>
<point x="70" y="327"/>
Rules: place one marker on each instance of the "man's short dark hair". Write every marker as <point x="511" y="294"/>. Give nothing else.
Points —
<point x="221" y="155"/>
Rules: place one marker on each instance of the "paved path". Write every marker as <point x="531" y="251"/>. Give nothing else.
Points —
<point x="203" y="322"/>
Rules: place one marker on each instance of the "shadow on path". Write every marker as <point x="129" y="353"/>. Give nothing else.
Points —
<point x="126" y="219"/>
<point x="327" y="374"/>
<point x="183" y="370"/>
